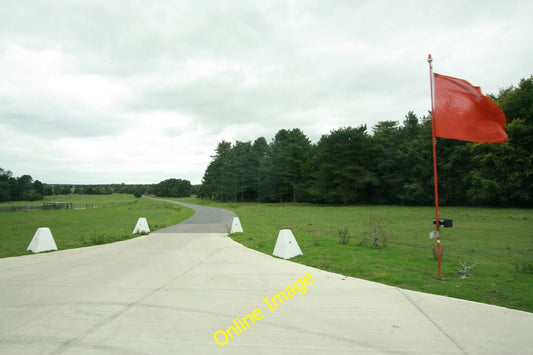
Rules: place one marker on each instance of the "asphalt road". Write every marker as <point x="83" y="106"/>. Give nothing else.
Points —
<point x="204" y="220"/>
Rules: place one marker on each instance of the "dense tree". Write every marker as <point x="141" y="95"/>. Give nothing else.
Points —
<point x="62" y="190"/>
<point x="22" y="189"/>
<point x="259" y="170"/>
<point x="517" y="102"/>
<point x="5" y="177"/>
<point x="173" y="188"/>
<point x="242" y="164"/>
<point x="342" y="169"/>
<point x="385" y="152"/>
<point x="290" y="153"/>
<point x="394" y="164"/>
<point x="19" y="189"/>
<point x="218" y="181"/>
<point x="94" y="190"/>
<point x="402" y="161"/>
<point x="416" y="161"/>
<point x="501" y="174"/>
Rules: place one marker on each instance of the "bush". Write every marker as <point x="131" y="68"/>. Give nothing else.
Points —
<point x="377" y="233"/>
<point x="465" y="269"/>
<point x="139" y="191"/>
<point x="317" y="236"/>
<point x="31" y="195"/>
<point x="325" y="263"/>
<point x="344" y="235"/>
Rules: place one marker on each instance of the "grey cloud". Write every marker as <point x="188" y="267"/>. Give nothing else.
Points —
<point x="55" y="122"/>
<point x="306" y="64"/>
<point x="113" y="39"/>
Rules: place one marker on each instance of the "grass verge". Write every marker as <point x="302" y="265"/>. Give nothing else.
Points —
<point x="499" y="240"/>
<point x="84" y="227"/>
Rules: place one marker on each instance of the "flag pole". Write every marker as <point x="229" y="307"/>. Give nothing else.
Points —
<point x="434" y="143"/>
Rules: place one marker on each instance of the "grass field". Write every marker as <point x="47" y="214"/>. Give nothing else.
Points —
<point x="79" y="201"/>
<point x="500" y="241"/>
<point x="83" y="227"/>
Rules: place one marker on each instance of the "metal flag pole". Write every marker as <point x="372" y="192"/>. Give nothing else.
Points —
<point x="434" y="141"/>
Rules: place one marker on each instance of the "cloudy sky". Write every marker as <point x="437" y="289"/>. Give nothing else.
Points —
<point x="141" y="91"/>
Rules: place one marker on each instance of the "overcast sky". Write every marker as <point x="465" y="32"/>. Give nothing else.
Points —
<point x="141" y="91"/>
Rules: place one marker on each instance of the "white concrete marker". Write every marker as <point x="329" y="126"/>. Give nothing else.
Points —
<point x="286" y="245"/>
<point x="236" y="226"/>
<point x="141" y="226"/>
<point x="42" y="241"/>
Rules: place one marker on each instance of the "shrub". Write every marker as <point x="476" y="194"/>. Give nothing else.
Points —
<point x="317" y="236"/>
<point x="464" y="271"/>
<point x="344" y="235"/>
<point x="377" y="233"/>
<point x="324" y="263"/>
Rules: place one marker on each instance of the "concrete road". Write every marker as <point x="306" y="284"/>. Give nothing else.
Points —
<point x="170" y="293"/>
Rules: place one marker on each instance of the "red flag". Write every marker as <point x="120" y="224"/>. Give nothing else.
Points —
<point x="462" y="112"/>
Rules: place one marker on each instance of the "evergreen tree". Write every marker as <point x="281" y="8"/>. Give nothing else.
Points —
<point x="343" y="171"/>
<point x="393" y="165"/>
<point x="290" y="151"/>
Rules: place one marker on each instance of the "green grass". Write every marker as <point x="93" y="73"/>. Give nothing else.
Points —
<point x="78" y="201"/>
<point x="81" y="201"/>
<point x="84" y="227"/>
<point x="496" y="239"/>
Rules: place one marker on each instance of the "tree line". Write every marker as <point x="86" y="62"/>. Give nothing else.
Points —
<point x="24" y="188"/>
<point x="172" y="188"/>
<point x="391" y="164"/>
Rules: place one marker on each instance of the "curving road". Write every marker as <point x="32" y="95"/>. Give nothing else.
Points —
<point x="204" y="220"/>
